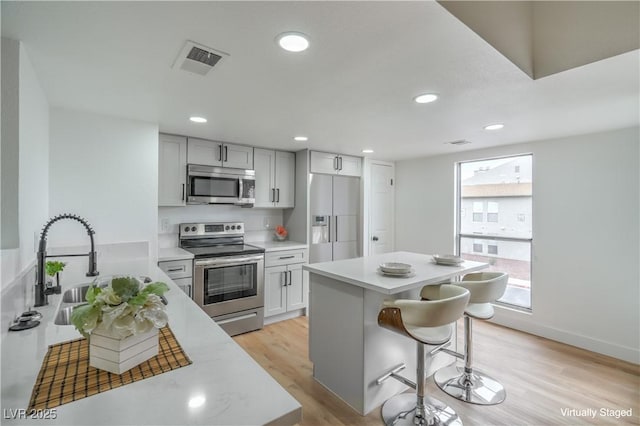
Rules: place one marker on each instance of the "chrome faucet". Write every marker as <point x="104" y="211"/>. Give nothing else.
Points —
<point x="42" y="291"/>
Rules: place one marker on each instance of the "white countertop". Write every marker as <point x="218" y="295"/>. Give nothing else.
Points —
<point x="236" y="389"/>
<point x="173" y="253"/>
<point x="278" y="245"/>
<point x="363" y="271"/>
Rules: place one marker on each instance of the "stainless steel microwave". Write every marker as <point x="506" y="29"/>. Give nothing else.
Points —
<point x="220" y="185"/>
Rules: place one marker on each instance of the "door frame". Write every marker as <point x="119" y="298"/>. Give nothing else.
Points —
<point x="365" y="200"/>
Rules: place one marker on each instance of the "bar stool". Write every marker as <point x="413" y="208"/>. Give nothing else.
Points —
<point x="427" y="322"/>
<point x="466" y="383"/>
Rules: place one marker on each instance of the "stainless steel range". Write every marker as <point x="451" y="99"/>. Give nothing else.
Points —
<point x="228" y="275"/>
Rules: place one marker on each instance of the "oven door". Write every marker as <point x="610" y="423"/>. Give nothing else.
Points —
<point x="224" y="285"/>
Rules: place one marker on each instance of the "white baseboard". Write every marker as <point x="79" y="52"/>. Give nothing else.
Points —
<point x="285" y="316"/>
<point x="522" y="321"/>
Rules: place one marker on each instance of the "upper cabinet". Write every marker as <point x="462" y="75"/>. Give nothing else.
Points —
<point x="335" y="164"/>
<point x="275" y="178"/>
<point x="211" y="153"/>
<point x="172" y="170"/>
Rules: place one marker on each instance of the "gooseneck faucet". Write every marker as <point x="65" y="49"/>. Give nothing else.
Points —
<point x="41" y="289"/>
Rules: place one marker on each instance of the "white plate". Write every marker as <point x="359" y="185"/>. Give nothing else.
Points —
<point x="395" y="268"/>
<point x="447" y="259"/>
<point x="409" y="274"/>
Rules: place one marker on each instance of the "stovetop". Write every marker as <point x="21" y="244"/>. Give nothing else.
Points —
<point x="222" y="250"/>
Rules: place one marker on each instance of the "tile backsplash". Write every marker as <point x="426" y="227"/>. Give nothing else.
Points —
<point x="259" y="223"/>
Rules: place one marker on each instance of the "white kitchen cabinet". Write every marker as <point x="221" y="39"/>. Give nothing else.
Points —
<point x="285" y="288"/>
<point x="172" y="170"/>
<point x="212" y="153"/>
<point x="275" y="178"/>
<point x="335" y="164"/>
<point x="180" y="272"/>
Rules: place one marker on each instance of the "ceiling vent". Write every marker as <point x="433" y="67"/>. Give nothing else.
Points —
<point x="459" y="142"/>
<point x="197" y="58"/>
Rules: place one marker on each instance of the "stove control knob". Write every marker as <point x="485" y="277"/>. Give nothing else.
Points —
<point x="239" y="227"/>
<point x="186" y="229"/>
<point x="193" y="229"/>
<point x="233" y="227"/>
<point x="226" y="228"/>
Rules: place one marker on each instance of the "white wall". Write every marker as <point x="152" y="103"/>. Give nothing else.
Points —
<point x="104" y="169"/>
<point x="586" y="226"/>
<point x="32" y="166"/>
<point x="30" y="134"/>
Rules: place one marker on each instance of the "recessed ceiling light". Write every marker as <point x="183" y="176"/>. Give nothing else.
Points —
<point x="198" y="119"/>
<point x="293" y="41"/>
<point x="496" y="126"/>
<point x="197" y="401"/>
<point x="367" y="151"/>
<point x="300" y="138"/>
<point x="425" y="98"/>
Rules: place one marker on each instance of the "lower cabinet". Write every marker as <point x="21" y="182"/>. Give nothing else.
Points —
<point x="285" y="289"/>
<point x="180" y="272"/>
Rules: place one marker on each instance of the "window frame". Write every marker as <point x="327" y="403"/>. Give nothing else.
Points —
<point x="458" y="223"/>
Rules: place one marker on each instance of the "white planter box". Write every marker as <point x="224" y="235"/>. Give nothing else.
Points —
<point x="109" y="352"/>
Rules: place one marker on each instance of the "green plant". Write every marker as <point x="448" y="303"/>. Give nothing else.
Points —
<point x="53" y="267"/>
<point x="124" y="307"/>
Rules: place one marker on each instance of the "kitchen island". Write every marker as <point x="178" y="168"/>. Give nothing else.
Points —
<point x="348" y="349"/>
<point x="223" y="385"/>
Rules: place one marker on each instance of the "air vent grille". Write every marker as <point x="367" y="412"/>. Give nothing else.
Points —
<point x="201" y="55"/>
<point x="197" y="58"/>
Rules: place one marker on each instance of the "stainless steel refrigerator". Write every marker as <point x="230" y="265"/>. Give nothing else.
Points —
<point x="334" y="206"/>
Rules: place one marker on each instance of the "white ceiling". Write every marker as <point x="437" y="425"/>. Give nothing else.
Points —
<point x="352" y="89"/>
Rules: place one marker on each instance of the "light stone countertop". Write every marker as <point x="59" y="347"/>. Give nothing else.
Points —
<point x="236" y="390"/>
<point x="363" y="271"/>
<point x="278" y="245"/>
<point x="173" y="253"/>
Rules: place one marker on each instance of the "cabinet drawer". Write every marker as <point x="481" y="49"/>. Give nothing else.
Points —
<point x="285" y="257"/>
<point x="177" y="268"/>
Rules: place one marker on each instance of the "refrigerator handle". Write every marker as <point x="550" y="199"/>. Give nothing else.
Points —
<point x="336" y="222"/>
<point x="329" y="239"/>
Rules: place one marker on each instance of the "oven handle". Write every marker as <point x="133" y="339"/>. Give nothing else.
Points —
<point x="227" y="261"/>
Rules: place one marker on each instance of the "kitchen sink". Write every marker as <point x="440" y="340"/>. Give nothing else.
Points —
<point x="75" y="294"/>
<point x="63" y="317"/>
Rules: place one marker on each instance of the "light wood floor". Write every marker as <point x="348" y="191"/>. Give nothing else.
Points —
<point x="542" y="377"/>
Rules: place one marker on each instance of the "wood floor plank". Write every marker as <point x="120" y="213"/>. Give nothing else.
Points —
<point x="542" y="378"/>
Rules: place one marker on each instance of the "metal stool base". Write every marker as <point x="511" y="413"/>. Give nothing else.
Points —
<point x="476" y="387"/>
<point x="400" y="411"/>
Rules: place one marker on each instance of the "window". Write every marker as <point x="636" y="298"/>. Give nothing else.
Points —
<point x="478" y="209"/>
<point x="492" y="211"/>
<point x="501" y="188"/>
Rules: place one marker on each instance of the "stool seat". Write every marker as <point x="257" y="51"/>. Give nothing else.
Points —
<point x="466" y="383"/>
<point x="428" y="321"/>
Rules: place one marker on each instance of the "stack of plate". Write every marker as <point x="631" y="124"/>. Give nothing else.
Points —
<point x="447" y="259"/>
<point x="395" y="269"/>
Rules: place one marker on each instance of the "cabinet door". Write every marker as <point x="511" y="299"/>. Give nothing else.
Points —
<point x="185" y="285"/>
<point x="237" y="156"/>
<point x="323" y="162"/>
<point x="275" y="291"/>
<point x="207" y="153"/>
<point x="285" y="179"/>
<point x="172" y="170"/>
<point x="296" y="294"/>
<point x="350" y="166"/>
<point x="265" y="167"/>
